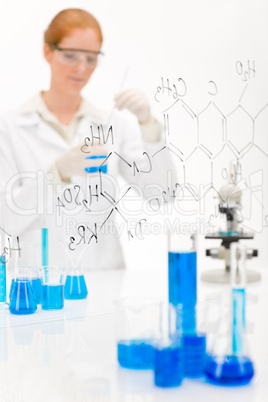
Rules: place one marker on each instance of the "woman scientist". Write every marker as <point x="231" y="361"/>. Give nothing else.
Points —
<point x="57" y="138"/>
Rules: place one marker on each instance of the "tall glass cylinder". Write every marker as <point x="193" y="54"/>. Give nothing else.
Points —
<point x="182" y="273"/>
<point x="3" y="283"/>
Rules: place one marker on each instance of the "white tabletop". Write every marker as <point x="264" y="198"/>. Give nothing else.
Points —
<point x="70" y="355"/>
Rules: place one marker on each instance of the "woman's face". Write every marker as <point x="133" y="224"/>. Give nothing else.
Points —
<point x="68" y="76"/>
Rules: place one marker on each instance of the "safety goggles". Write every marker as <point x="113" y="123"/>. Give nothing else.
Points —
<point x="72" y="57"/>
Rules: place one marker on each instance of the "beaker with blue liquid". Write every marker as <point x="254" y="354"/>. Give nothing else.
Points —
<point x="52" y="289"/>
<point x="182" y="281"/>
<point x="137" y="326"/>
<point x="28" y="257"/>
<point x="168" y="350"/>
<point x="22" y="299"/>
<point x="229" y="362"/>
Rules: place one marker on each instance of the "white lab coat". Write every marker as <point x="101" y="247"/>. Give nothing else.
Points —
<point x="29" y="146"/>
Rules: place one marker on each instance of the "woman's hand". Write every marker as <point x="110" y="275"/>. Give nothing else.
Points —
<point x="136" y="102"/>
<point x="74" y="162"/>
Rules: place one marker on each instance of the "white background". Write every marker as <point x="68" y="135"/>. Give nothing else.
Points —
<point x="197" y="40"/>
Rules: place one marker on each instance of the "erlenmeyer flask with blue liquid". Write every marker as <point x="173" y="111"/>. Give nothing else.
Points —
<point x="229" y="362"/>
<point x="27" y="257"/>
<point x="75" y="287"/>
<point x="22" y="300"/>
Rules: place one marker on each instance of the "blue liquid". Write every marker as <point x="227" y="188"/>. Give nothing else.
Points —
<point x="3" y="286"/>
<point x="75" y="287"/>
<point x="44" y="238"/>
<point x="194" y="354"/>
<point x="229" y="370"/>
<point x="187" y="320"/>
<point x="22" y="298"/>
<point x="52" y="297"/>
<point x="168" y="366"/>
<point x="94" y="169"/>
<point x="182" y="278"/>
<point x="239" y="318"/>
<point x="136" y="354"/>
<point x="36" y="286"/>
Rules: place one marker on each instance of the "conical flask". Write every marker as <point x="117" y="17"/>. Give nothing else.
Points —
<point x="27" y="258"/>
<point x="229" y="362"/>
<point x="22" y="300"/>
<point x="75" y="287"/>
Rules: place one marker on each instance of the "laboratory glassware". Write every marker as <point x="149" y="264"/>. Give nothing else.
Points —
<point x="27" y="257"/>
<point x="193" y="325"/>
<point x="3" y="283"/>
<point x="95" y="169"/>
<point x="182" y="269"/>
<point x="137" y="326"/>
<point x="22" y="300"/>
<point x="168" y="351"/>
<point x="44" y="246"/>
<point x="3" y="260"/>
<point x="52" y="297"/>
<point x="229" y="362"/>
<point x="182" y="280"/>
<point x="75" y="287"/>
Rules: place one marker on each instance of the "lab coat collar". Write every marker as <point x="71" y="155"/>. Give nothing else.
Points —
<point x="29" y="119"/>
<point x="28" y="116"/>
<point x="30" y="110"/>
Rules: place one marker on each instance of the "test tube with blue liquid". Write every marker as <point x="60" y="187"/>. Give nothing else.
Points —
<point x="44" y="246"/>
<point x="3" y="282"/>
<point x="3" y="278"/>
<point x="232" y="365"/>
<point x="99" y="164"/>
<point x="137" y="326"/>
<point x="52" y="295"/>
<point x="182" y="280"/>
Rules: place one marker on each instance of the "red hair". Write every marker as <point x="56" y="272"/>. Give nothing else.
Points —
<point x="67" y="20"/>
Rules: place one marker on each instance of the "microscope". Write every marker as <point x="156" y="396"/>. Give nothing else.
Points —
<point x="230" y="208"/>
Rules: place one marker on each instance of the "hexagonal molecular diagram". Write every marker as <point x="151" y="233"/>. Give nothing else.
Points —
<point x="252" y="211"/>
<point x="221" y="173"/>
<point x="198" y="162"/>
<point x="180" y="129"/>
<point x="256" y="178"/>
<point x="261" y="130"/>
<point x="211" y="129"/>
<point x="240" y="131"/>
<point x="177" y="161"/>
